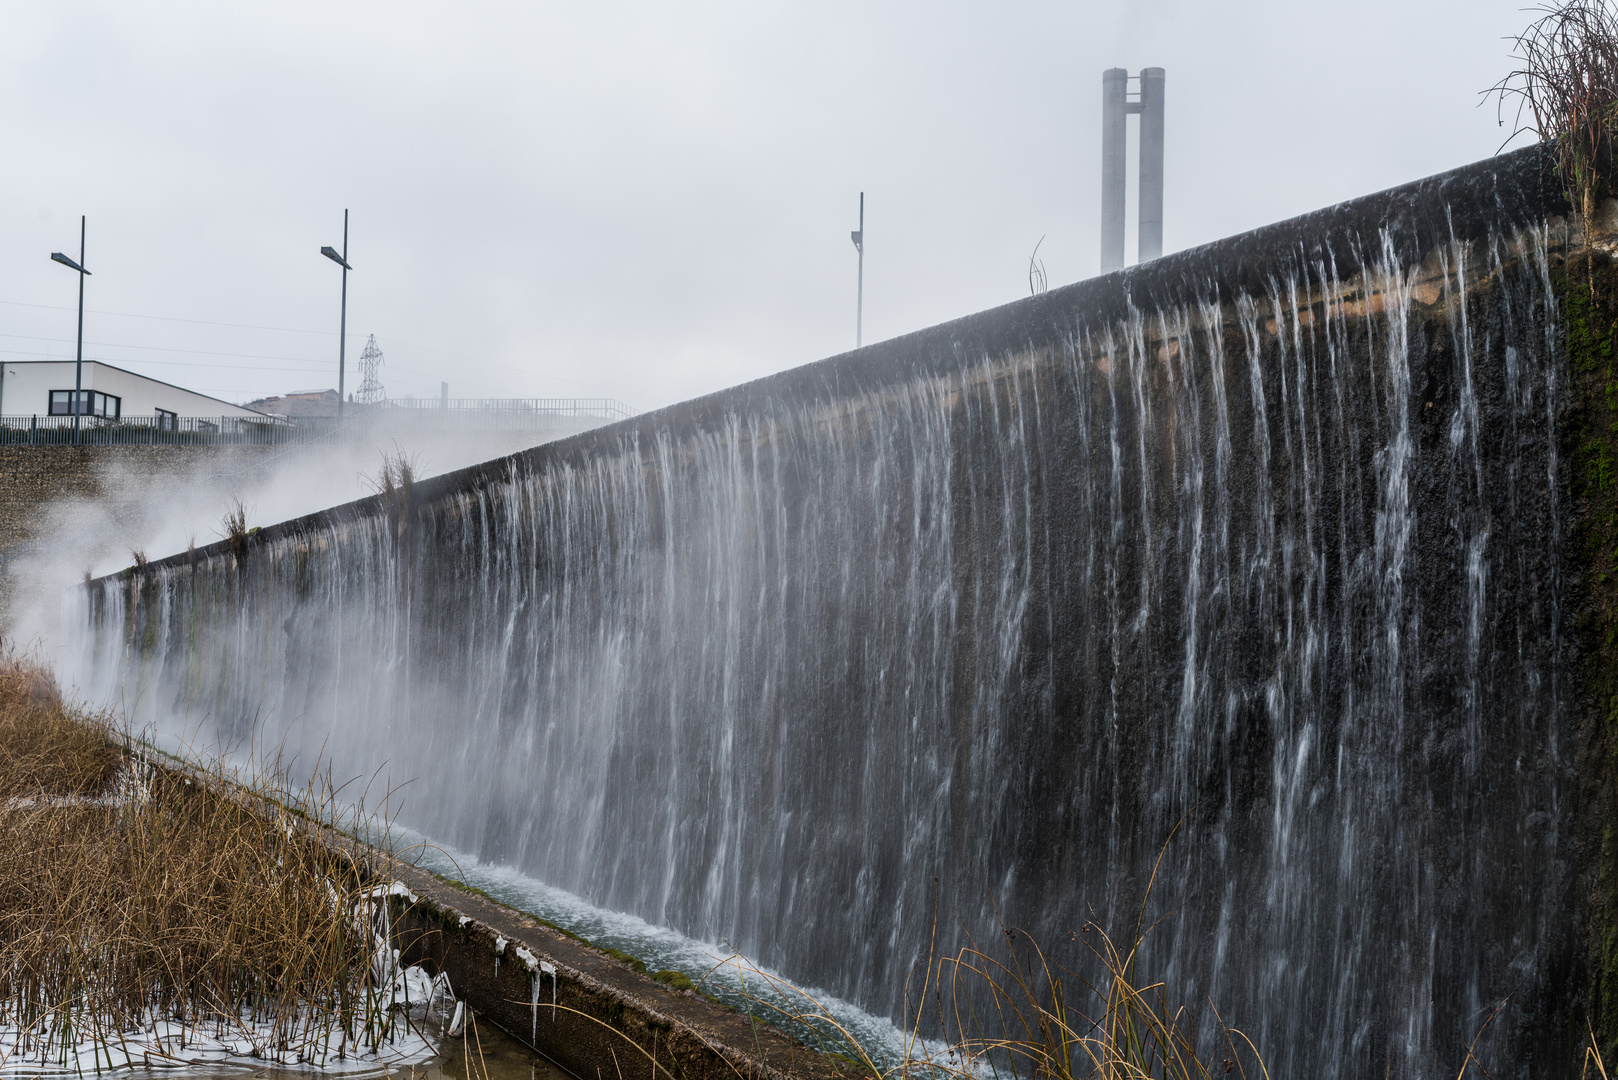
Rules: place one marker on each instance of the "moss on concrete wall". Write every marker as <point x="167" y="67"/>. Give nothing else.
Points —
<point x="1587" y="293"/>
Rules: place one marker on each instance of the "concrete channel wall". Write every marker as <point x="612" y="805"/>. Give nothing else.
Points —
<point x="595" y="1017"/>
<point x="581" y="1009"/>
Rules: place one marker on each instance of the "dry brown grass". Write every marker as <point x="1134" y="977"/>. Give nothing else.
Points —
<point x="1046" y="1021"/>
<point x="1592" y="1055"/>
<point x="396" y="476"/>
<point x="46" y="749"/>
<point x="233" y="527"/>
<point x="133" y="896"/>
<point x="1568" y="85"/>
<point x="1011" y="1012"/>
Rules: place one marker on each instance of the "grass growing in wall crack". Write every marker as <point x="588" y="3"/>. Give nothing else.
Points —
<point x="234" y="528"/>
<point x="396" y="476"/>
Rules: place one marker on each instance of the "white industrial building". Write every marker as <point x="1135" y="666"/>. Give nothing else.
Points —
<point x="42" y="388"/>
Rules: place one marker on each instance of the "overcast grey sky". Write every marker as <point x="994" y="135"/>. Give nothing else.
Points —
<point x="650" y="201"/>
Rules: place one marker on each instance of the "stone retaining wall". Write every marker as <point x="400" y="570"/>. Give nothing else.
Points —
<point x="128" y="481"/>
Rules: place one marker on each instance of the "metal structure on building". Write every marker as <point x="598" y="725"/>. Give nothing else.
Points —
<point x="1116" y="107"/>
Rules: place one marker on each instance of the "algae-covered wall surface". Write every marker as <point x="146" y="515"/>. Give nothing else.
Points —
<point x="1263" y="556"/>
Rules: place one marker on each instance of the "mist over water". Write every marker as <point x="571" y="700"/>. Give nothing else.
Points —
<point x="158" y="501"/>
<point x="821" y="665"/>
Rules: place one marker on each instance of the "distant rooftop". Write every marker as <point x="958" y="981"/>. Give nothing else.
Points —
<point x="300" y="403"/>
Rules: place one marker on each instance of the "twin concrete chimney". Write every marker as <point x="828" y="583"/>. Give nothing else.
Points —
<point x="1115" y="109"/>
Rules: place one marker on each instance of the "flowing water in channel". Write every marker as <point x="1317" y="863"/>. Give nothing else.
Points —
<point x="816" y="668"/>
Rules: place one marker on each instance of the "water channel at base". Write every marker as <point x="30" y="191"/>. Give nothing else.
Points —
<point x="716" y="969"/>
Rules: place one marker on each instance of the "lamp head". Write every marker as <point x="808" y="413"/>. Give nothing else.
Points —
<point x="57" y="256"/>
<point x="331" y="253"/>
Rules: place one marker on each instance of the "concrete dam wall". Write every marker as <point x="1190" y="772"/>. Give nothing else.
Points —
<point x="1265" y="547"/>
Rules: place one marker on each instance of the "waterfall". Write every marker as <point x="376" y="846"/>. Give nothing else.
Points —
<point x="1263" y="553"/>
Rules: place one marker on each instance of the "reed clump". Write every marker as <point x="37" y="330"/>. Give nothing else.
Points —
<point x="1046" y="1021"/>
<point x="1012" y="1013"/>
<point x="234" y="528"/>
<point x="1568" y="85"/>
<point x="396" y="476"/>
<point x="145" y="910"/>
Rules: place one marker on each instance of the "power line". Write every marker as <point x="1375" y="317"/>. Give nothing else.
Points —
<point x="163" y="348"/>
<point x="170" y="318"/>
<point x="138" y="360"/>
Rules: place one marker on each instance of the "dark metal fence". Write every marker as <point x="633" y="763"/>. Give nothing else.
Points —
<point x="515" y="414"/>
<point x="174" y="431"/>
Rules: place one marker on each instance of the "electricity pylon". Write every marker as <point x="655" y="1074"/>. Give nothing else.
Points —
<point x="370" y="391"/>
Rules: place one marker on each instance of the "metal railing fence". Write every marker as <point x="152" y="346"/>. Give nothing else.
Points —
<point x="599" y="408"/>
<point x="424" y="414"/>
<point x="174" y="431"/>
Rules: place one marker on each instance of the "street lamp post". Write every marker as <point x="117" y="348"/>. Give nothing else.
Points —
<point x="342" y="332"/>
<point x="78" y="366"/>
<point x="858" y="236"/>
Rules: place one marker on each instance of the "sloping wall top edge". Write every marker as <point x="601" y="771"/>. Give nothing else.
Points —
<point x="1510" y="190"/>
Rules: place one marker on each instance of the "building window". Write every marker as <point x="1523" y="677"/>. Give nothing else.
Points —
<point x="91" y="403"/>
<point x="167" y="421"/>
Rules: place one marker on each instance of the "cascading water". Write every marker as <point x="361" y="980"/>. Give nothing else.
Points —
<point x="975" y="620"/>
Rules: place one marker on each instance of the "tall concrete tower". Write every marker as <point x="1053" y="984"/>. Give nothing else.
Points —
<point x="1115" y="109"/>
<point x="1151" y="163"/>
<point x="1114" y="140"/>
